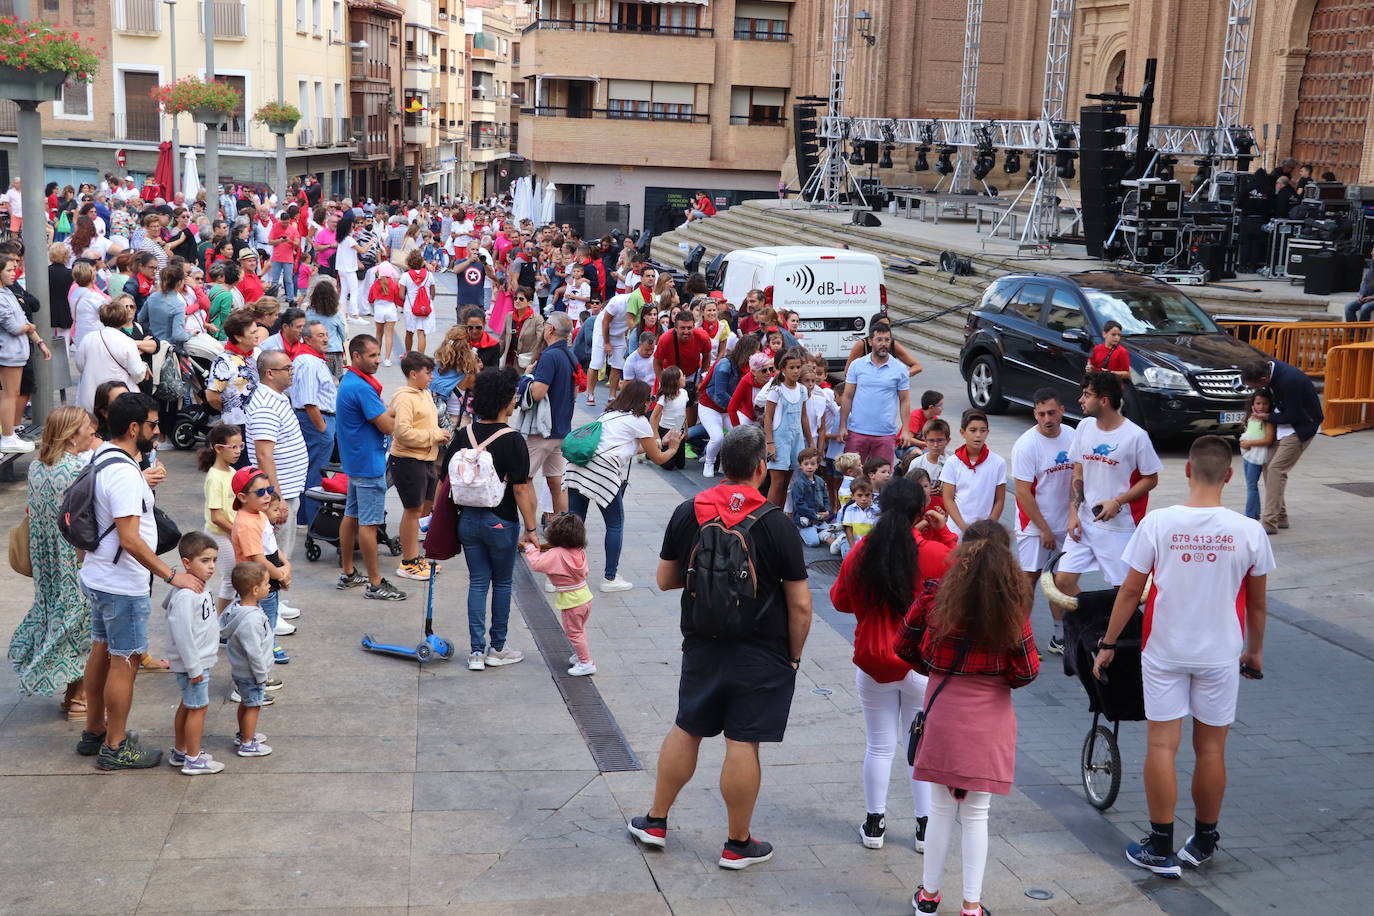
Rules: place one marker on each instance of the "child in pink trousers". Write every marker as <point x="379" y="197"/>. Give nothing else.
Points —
<point x="564" y="561"/>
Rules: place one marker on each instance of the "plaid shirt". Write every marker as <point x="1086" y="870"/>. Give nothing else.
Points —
<point x="925" y="651"/>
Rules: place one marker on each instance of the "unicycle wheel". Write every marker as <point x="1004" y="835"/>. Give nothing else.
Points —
<point x="1101" y="767"/>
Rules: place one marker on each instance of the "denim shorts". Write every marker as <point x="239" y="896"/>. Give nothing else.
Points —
<point x="194" y="696"/>
<point x="366" y="500"/>
<point x="252" y="693"/>
<point x="119" y="621"/>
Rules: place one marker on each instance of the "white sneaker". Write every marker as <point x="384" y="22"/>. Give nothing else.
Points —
<point x="387" y="361"/>
<point x="476" y="661"/>
<point x="580" y="669"/>
<point x="284" y="628"/>
<point x="835" y="547"/>
<point x="572" y="659"/>
<point x="616" y="585"/>
<point x="234" y="696"/>
<point x="286" y="612"/>
<point x="15" y="444"/>
<point x="708" y="470"/>
<point x="507" y="656"/>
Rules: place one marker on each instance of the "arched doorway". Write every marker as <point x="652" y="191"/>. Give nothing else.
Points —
<point x="1337" y="82"/>
<point x="1116" y="74"/>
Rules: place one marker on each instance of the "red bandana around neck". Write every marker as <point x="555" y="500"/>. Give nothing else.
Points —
<point x="731" y="501"/>
<point x="234" y="348"/>
<point x="962" y="454"/>
<point x="304" y="349"/>
<point x="376" y="385"/>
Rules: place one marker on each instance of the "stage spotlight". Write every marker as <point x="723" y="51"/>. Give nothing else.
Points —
<point x="1011" y="164"/>
<point x="857" y="157"/>
<point x="944" y="166"/>
<point x="1063" y="164"/>
<point x="1204" y="171"/>
<point x="1165" y="167"/>
<point x="886" y="161"/>
<point x="984" y="164"/>
<point x="1033" y="166"/>
<point x="922" y="159"/>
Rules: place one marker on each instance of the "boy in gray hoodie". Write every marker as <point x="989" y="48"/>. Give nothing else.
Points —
<point x="249" y="647"/>
<point x="193" y="629"/>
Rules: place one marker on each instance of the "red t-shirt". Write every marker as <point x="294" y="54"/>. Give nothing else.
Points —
<point x="917" y="423"/>
<point x="690" y="356"/>
<point x="1113" y="359"/>
<point x="251" y="287"/>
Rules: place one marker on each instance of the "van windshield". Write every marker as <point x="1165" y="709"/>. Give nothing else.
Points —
<point x="1150" y="311"/>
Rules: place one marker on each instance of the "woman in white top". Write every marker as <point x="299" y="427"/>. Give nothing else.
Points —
<point x="85" y="301"/>
<point x="108" y="354"/>
<point x="624" y="431"/>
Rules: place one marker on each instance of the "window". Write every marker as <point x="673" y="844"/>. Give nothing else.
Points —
<point x="1064" y="312"/>
<point x="760" y="21"/>
<point x="75" y="103"/>
<point x="1029" y="301"/>
<point x="337" y="23"/>
<point x="757" y="105"/>
<point x="303" y="95"/>
<point x="997" y="295"/>
<point x="300" y="15"/>
<point x="317" y="16"/>
<point x="663" y="18"/>
<point x="51" y="6"/>
<point x="650" y="101"/>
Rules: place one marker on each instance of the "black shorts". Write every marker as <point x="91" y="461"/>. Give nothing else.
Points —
<point x="414" y="480"/>
<point x="742" y="689"/>
<point x="26" y="380"/>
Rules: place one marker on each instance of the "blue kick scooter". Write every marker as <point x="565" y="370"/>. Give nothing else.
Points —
<point x="431" y="645"/>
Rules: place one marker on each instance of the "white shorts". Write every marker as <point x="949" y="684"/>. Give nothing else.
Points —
<point x="1033" y="557"/>
<point x="1207" y="694"/>
<point x="384" y="310"/>
<point x="1101" y="548"/>
<point x="617" y="357"/>
<point x="416" y="323"/>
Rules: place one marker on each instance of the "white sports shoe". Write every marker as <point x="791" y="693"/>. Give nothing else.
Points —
<point x="286" y="612"/>
<point x="580" y="669"/>
<point x="284" y="627"/>
<point x="15" y="444"/>
<point x="616" y="585"/>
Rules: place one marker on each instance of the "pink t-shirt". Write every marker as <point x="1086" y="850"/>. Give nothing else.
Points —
<point x="325" y="243"/>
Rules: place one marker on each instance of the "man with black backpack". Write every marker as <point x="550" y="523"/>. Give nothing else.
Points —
<point x="746" y="612"/>
<point x="108" y="512"/>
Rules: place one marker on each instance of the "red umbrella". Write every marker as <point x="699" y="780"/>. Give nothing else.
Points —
<point x="162" y="173"/>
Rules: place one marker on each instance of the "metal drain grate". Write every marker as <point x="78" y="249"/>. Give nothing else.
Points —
<point x="1355" y="489"/>
<point x="602" y="735"/>
<point x="827" y="567"/>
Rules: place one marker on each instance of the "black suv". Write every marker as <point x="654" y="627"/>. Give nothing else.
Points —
<point x="1034" y="330"/>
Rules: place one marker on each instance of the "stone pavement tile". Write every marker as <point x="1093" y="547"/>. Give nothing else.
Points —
<point x="437" y="880"/>
<point x="83" y="838"/>
<point x="301" y="879"/>
<point x="757" y="881"/>
<point x="376" y="716"/>
<point x="821" y="904"/>
<point x="315" y="754"/>
<point x="235" y="791"/>
<point x="51" y="755"/>
<point x="504" y="789"/>
<point x="46" y="796"/>
<point x="800" y="884"/>
<point x="440" y="833"/>
<point x="325" y="834"/>
<point x="592" y="905"/>
<point x="72" y="884"/>
<point x="498" y="750"/>
<point x="713" y="906"/>
<point x="1039" y="843"/>
<point x="536" y="874"/>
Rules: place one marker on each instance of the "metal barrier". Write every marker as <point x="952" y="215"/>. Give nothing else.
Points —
<point x="1302" y="344"/>
<point x="1348" y="401"/>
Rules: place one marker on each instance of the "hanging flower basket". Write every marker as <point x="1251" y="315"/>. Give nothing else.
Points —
<point x="279" y="117"/>
<point x="208" y="101"/>
<point x="36" y="58"/>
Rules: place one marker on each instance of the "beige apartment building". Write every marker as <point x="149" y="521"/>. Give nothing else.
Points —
<point x="490" y="43"/>
<point x="641" y="104"/>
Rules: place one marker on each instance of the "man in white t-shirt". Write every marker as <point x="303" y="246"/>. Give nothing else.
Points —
<point x="15" y="198"/>
<point x="351" y="299"/>
<point x="116" y="577"/>
<point x="608" y="350"/>
<point x="1042" y="468"/>
<point x="639" y="365"/>
<point x="1114" y="468"/>
<point x="1203" y="630"/>
<point x="974" y="480"/>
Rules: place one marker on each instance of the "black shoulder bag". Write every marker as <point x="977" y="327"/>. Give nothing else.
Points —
<point x="918" y="724"/>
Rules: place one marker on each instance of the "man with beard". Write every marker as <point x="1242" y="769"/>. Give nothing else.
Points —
<point x="876" y="401"/>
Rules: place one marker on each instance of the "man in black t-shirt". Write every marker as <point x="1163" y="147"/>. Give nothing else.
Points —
<point x="742" y="688"/>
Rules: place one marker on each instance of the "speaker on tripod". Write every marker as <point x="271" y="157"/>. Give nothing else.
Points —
<point x="865" y="218"/>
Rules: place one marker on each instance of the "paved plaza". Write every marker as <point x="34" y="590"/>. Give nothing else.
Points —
<point x="401" y="788"/>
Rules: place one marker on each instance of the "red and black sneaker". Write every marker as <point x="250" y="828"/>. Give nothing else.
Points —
<point x="925" y="903"/>
<point x="651" y="831"/>
<point x="737" y="855"/>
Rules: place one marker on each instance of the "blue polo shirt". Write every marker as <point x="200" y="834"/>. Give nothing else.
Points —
<point x="874" y="408"/>
<point x="362" y="447"/>
<point x="555" y="369"/>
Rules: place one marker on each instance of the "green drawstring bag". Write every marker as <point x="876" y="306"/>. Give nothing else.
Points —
<point x="64" y="225"/>
<point x="580" y="445"/>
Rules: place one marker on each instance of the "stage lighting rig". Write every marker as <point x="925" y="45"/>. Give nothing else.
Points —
<point x="922" y="159"/>
<point x="886" y="161"/>
<point x="944" y="166"/>
<point x="857" y="156"/>
<point x="1011" y="163"/>
<point x="1164" y="167"/>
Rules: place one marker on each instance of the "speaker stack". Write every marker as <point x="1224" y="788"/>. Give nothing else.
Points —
<point x="1151" y="221"/>
<point x="1104" y="163"/>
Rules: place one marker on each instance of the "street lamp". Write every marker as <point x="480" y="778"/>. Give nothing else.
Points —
<point x="863" y="21"/>
<point x="176" y="131"/>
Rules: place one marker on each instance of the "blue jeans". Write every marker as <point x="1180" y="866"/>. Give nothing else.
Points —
<point x="489" y="547"/>
<point x="318" y="446"/>
<point x="284" y="273"/>
<point x="614" y="517"/>
<point x="1253" y="473"/>
<point x="269" y="607"/>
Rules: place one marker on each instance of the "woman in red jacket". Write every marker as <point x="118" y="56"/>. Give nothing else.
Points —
<point x="976" y="645"/>
<point x="885" y="572"/>
<point x="741" y="407"/>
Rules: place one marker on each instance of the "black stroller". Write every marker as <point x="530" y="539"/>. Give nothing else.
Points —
<point x="196" y="417"/>
<point x="325" y="526"/>
<point x="1117" y="697"/>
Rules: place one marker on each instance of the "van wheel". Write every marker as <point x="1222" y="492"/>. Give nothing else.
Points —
<point x="985" y="385"/>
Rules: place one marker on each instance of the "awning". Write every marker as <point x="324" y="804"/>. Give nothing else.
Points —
<point x="559" y="76"/>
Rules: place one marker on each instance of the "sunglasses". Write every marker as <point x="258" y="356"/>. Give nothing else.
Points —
<point x="262" y="491"/>
<point x="231" y="448"/>
<point x="522" y="298"/>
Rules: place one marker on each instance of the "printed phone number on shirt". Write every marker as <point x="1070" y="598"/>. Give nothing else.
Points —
<point x="1204" y="540"/>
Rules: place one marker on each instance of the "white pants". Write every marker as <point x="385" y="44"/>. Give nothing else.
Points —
<point x="972" y="814"/>
<point x="350" y="296"/>
<point x="286" y="532"/>
<point x="888" y="711"/>
<point x="714" y="421"/>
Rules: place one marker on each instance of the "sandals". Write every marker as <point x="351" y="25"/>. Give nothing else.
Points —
<point x="75" y="709"/>
<point x="148" y="663"/>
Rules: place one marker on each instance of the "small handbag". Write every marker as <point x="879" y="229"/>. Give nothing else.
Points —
<point x="918" y="724"/>
<point x="168" y="534"/>
<point x="20" y="559"/>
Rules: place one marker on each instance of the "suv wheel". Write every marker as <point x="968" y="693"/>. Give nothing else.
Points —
<point x="985" y="385"/>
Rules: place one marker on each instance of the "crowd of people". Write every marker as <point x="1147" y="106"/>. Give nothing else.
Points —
<point x="481" y="445"/>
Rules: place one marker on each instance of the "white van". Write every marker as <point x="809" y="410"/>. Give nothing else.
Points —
<point x="835" y="291"/>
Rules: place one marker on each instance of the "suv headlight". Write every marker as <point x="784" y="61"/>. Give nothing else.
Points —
<point x="1166" y="379"/>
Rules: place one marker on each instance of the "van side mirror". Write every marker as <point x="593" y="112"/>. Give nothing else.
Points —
<point x="1075" y="335"/>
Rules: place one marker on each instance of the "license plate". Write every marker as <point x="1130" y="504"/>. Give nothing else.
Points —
<point x="1233" y="416"/>
<point x="814" y="324"/>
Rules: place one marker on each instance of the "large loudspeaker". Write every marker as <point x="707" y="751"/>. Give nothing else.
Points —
<point x="1103" y="166"/>
<point x="1323" y="268"/>
<point x="864" y="218"/>
<point x="804" y="142"/>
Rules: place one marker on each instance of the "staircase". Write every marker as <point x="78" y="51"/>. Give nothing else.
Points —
<point x="924" y="295"/>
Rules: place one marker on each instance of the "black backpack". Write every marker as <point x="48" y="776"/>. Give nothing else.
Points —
<point x="76" y="520"/>
<point x="722" y="581"/>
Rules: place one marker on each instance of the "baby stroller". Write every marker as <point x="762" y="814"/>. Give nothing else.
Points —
<point x="197" y="417"/>
<point x="332" y="494"/>
<point x="1117" y="697"/>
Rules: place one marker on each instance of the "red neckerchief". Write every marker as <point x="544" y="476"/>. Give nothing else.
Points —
<point x="731" y="501"/>
<point x="145" y="285"/>
<point x="376" y="385"/>
<point x="234" y="348"/>
<point x="304" y="349"/>
<point x="647" y="292"/>
<point x="486" y="341"/>
<point x="962" y="454"/>
<point x="296" y="349"/>
<point x="711" y="328"/>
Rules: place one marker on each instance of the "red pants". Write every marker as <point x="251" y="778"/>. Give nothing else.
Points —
<point x="575" y="625"/>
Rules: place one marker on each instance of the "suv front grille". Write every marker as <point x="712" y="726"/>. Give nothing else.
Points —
<point x="1225" y="384"/>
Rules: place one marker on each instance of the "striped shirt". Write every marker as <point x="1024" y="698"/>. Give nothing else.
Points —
<point x="312" y="383"/>
<point x="271" y="418"/>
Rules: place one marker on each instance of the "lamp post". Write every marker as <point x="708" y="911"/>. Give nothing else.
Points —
<point x="176" y="131"/>
<point x="211" y="130"/>
<point x="281" y="97"/>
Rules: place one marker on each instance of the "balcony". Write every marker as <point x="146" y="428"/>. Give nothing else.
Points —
<point x="139" y="17"/>
<point x="551" y="135"/>
<point x="230" y="18"/>
<point x="591" y="25"/>
<point x="325" y="132"/>
<point x="137" y="127"/>
<point x="369" y="69"/>
<point x="371" y="146"/>
<point x="758" y="147"/>
<point x="760" y="63"/>
<point x="621" y="55"/>
<point x="305" y="138"/>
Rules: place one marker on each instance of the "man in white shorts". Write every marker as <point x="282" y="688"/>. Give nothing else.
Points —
<point x="1042" y="468"/>
<point x="1114" y="468"/>
<point x="608" y="348"/>
<point x="1210" y="566"/>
